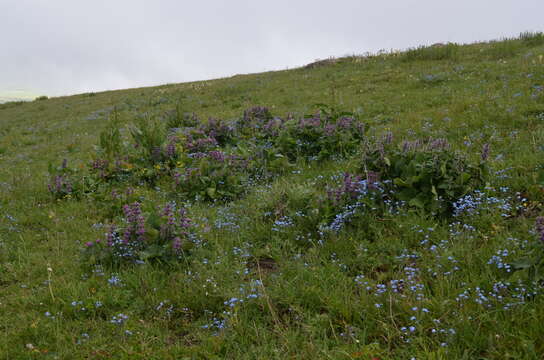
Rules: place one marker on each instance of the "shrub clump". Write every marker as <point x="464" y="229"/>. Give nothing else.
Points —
<point x="320" y="137"/>
<point x="212" y="175"/>
<point x="218" y="160"/>
<point x="61" y="182"/>
<point x="161" y="234"/>
<point x="425" y="174"/>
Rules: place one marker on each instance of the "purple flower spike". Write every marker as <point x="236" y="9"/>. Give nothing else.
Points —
<point x="217" y="156"/>
<point x="540" y="228"/>
<point x="485" y="152"/>
<point x="171" y="149"/>
<point x="388" y="138"/>
<point x="176" y="244"/>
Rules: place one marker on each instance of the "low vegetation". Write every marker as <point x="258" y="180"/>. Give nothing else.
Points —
<point x="380" y="207"/>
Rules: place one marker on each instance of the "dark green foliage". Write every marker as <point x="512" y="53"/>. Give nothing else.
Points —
<point x="324" y="136"/>
<point x="426" y="175"/>
<point x="531" y="266"/>
<point x="163" y="234"/>
<point x="177" y="118"/>
<point x="62" y="182"/>
<point x="149" y="136"/>
<point x="219" y="159"/>
<point x="212" y="175"/>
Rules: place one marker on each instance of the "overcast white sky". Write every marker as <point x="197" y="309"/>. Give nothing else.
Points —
<point x="58" y="47"/>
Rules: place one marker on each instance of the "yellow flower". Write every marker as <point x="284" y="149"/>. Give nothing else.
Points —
<point x="158" y="167"/>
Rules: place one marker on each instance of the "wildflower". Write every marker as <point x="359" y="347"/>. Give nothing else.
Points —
<point x="114" y="280"/>
<point x="176" y="244"/>
<point x="388" y="138"/>
<point x="136" y="222"/>
<point x="540" y="227"/>
<point x="485" y="152"/>
<point x="119" y="319"/>
<point x="171" y="149"/>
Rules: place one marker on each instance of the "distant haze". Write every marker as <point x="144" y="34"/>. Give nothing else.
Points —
<point x="15" y="95"/>
<point x="65" y="46"/>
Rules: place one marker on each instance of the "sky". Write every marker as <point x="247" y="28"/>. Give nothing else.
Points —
<point x="61" y="47"/>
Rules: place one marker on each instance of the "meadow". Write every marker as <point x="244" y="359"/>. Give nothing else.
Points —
<point x="382" y="206"/>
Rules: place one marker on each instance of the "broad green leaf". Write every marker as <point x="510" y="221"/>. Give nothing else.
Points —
<point x="211" y="192"/>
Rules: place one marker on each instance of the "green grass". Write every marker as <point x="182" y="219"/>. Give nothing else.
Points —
<point x="312" y="303"/>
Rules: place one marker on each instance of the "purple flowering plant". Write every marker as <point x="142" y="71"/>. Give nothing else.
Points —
<point x="163" y="233"/>
<point x="62" y="184"/>
<point x="220" y="160"/>
<point x="212" y="175"/>
<point x="326" y="135"/>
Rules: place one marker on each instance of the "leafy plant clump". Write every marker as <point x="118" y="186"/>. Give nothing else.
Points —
<point x="218" y="160"/>
<point x="212" y="175"/>
<point x="323" y="136"/>
<point x="62" y="184"/>
<point x="531" y="266"/>
<point x="426" y="175"/>
<point x="162" y="234"/>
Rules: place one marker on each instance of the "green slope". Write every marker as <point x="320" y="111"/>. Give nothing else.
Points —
<point x="346" y="295"/>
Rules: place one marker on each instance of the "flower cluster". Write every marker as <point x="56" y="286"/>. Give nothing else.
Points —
<point x="540" y="228"/>
<point x="60" y="186"/>
<point x="135" y="228"/>
<point x="424" y="174"/>
<point x="165" y="233"/>
<point x="478" y="201"/>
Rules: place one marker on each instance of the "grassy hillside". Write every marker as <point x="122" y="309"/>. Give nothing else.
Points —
<point x="401" y="220"/>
